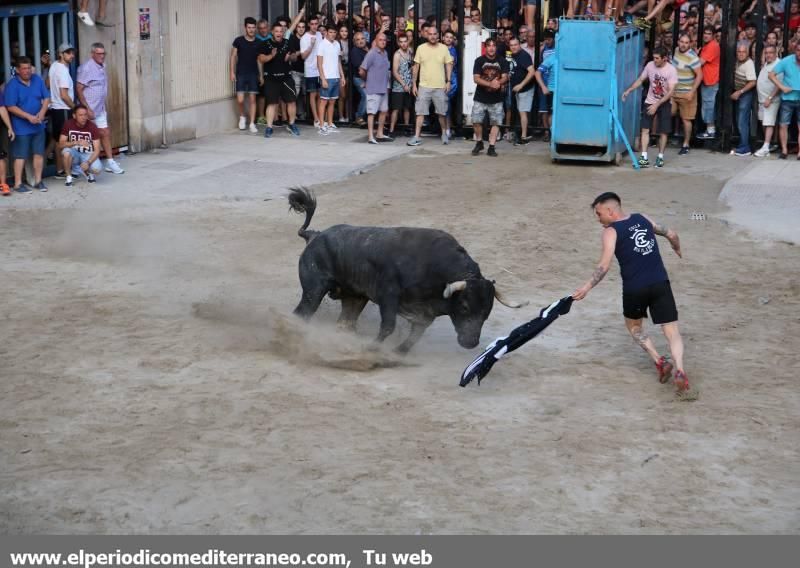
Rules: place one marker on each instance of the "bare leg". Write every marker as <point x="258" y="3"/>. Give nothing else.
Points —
<point x="19" y="165"/>
<point x="291" y="109"/>
<point x="523" y="124"/>
<point x="443" y="122"/>
<point x="84" y="5"/>
<point x="769" y="131"/>
<point x="645" y="139"/>
<point x="783" y="136"/>
<point x="477" y="128"/>
<point x="101" y="10"/>
<point x="67" y="161"/>
<point x="321" y="112"/>
<point x="393" y="120"/>
<point x="418" y="129"/>
<point x="240" y="103"/>
<point x="312" y="101"/>
<point x="253" y="107"/>
<point x="495" y="130"/>
<point x="381" y="124"/>
<point x="675" y="343"/>
<point x="530" y="16"/>
<point x="105" y="143"/>
<point x="687" y="132"/>
<point x="662" y="143"/>
<point x="641" y="338"/>
<point x="270" y="115"/>
<point x="331" y="107"/>
<point x="261" y="106"/>
<point x="371" y="126"/>
<point x="38" y="166"/>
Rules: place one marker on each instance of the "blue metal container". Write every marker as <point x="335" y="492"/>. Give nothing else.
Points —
<point x="596" y="62"/>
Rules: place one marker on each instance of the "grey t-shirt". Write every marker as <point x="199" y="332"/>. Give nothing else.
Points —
<point x="376" y="64"/>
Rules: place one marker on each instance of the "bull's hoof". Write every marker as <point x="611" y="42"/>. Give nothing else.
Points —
<point x="402" y="349"/>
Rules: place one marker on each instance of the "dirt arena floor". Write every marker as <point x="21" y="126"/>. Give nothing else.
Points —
<point x="153" y="379"/>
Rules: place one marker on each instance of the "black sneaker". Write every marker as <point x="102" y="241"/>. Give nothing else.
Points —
<point x="60" y="174"/>
<point x="524" y="140"/>
<point x="644" y="162"/>
<point x="683" y="151"/>
<point x="491" y="151"/>
<point x="546" y="137"/>
<point x="478" y="148"/>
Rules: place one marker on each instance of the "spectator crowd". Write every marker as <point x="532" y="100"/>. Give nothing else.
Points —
<point x="399" y="75"/>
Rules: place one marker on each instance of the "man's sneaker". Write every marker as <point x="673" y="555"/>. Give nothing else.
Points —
<point x="22" y="189"/>
<point x="445" y="138"/>
<point x="385" y="138"/>
<point x="664" y="369"/>
<point x="268" y="132"/>
<point x="372" y="141"/>
<point x="491" y="151"/>
<point x="762" y="152"/>
<point x="782" y="156"/>
<point x="113" y="167"/>
<point x="332" y="127"/>
<point x="705" y="135"/>
<point x="478" y="148"/>
<point x="317" y="124"/>
<point x="85" y="18"/>
<point x="546" y="137"/>
<point x="644" y="162"/>
<point x="253" y="127"/>
<point x="524" y="140"/>
<point x="262" y="120"/>
<point x="90" y="177"/>
<point x="740" y="153"/>
<point x="414" y="141"/>
<point x="242" y="123"/>
<point x="683" y="151"/>
<point x="323" y="131"/>
<point x="69" y="181"/>
<point x="659" y="162"/>
<point x="41" y="186"/>
<point x="60" y="174"/>
<point x="344" y="120"/>
<point x="681" y="381"/>
<point x="292" y="128"/>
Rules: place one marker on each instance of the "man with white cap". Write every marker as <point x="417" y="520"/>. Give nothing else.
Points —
<point x="62" y="96"/>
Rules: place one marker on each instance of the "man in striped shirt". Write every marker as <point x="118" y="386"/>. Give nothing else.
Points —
<point x="684" y="98"/>
<point x="92" y="90"/>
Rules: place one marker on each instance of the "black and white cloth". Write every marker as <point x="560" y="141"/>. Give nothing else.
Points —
<point x="481" y="366"/>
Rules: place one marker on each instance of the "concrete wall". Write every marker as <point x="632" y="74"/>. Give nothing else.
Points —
<point x="144" y="81"/>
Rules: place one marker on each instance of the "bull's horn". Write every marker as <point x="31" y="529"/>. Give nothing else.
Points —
<point x="454" y="287"/>
<point x="508" y="303"/>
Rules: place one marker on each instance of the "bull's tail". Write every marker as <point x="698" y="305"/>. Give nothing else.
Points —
<point x="302" y="200"/>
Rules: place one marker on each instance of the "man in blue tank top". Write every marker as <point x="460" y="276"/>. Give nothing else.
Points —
<point x="645" y="284"/>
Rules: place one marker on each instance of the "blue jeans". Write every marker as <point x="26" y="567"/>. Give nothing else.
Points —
<point x="362" y="97"/>
<point x="709" y="99"/>
<point x="744" y="109"/>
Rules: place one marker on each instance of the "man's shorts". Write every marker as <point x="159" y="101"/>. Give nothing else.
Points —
<point x="768" y="116"/>
<point x="79" y="158"/>
<point x="660" y="123"/>
<point x="57" y="119"/>
<point x="426" y="96"/>
<point x="686" y="105"/>
<point x="277" y="89"/>
<point x="525" y="100"/>
<point x="299" y="84"/>
<point x="247" y="83"/>
<point x="332" y="92"/>
<point x="495" y="113"/>
<point x="26" y="145"/>
<point x="101" y="120"/>
<point x="402" y="101"/>
<point x="377" y="103"/>
<point x="545" y="103"/>
<point x="312" y="84"/>
<point x="657" y="298"/>
<point x="789" y="108"/>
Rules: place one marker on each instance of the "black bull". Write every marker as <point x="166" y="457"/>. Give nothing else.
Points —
<point x="420" y="274"/>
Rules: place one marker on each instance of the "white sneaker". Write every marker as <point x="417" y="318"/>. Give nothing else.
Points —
<point x="85" y="18"/>
<point x="323" y="130"/>
<point x="68" y="182"/>
<point x="317" y="124"/>
<point x="253" y="128"/>
<point x="242" y="123"/>
<point x="113" y="167"/>
<point x="762" y="152"/>
<point x="332" y="127"/>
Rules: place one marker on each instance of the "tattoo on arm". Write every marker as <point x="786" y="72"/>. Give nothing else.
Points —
<point x="660" y="229"/>
<point x="598" y="274"/>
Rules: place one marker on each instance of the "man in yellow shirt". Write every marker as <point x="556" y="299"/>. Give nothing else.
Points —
<point x="433" y="66"/>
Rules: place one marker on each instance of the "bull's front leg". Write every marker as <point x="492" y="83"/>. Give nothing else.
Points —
<point x="417" y="329"/>
<point x="388" y="307"/>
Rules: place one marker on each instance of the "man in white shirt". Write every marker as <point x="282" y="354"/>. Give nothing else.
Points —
<point x="769" y="99"/>
<point x="309" y="46"/>
<point x="62" y="97"/>
<point x="331" y="76"/>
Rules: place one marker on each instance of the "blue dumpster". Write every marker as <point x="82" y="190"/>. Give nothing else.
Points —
<point x="596" y="62"/>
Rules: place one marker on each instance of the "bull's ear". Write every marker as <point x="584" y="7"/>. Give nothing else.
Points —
<point x="454" y="287"/>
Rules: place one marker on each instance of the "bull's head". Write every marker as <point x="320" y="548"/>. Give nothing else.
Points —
<point x="470" y="305"/>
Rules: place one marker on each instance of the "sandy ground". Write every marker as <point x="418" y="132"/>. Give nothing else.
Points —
<point x="153" y="379"/>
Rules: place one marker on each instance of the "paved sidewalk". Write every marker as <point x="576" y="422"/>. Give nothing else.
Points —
<point x="765" y="199"/>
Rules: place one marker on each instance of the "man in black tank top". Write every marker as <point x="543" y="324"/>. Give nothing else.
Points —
<point x="645" y="284"/>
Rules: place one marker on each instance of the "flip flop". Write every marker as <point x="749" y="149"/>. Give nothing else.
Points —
<point x="4" y="189"/>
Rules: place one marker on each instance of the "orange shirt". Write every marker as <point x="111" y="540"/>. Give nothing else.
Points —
<point x="710" y="54"/>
